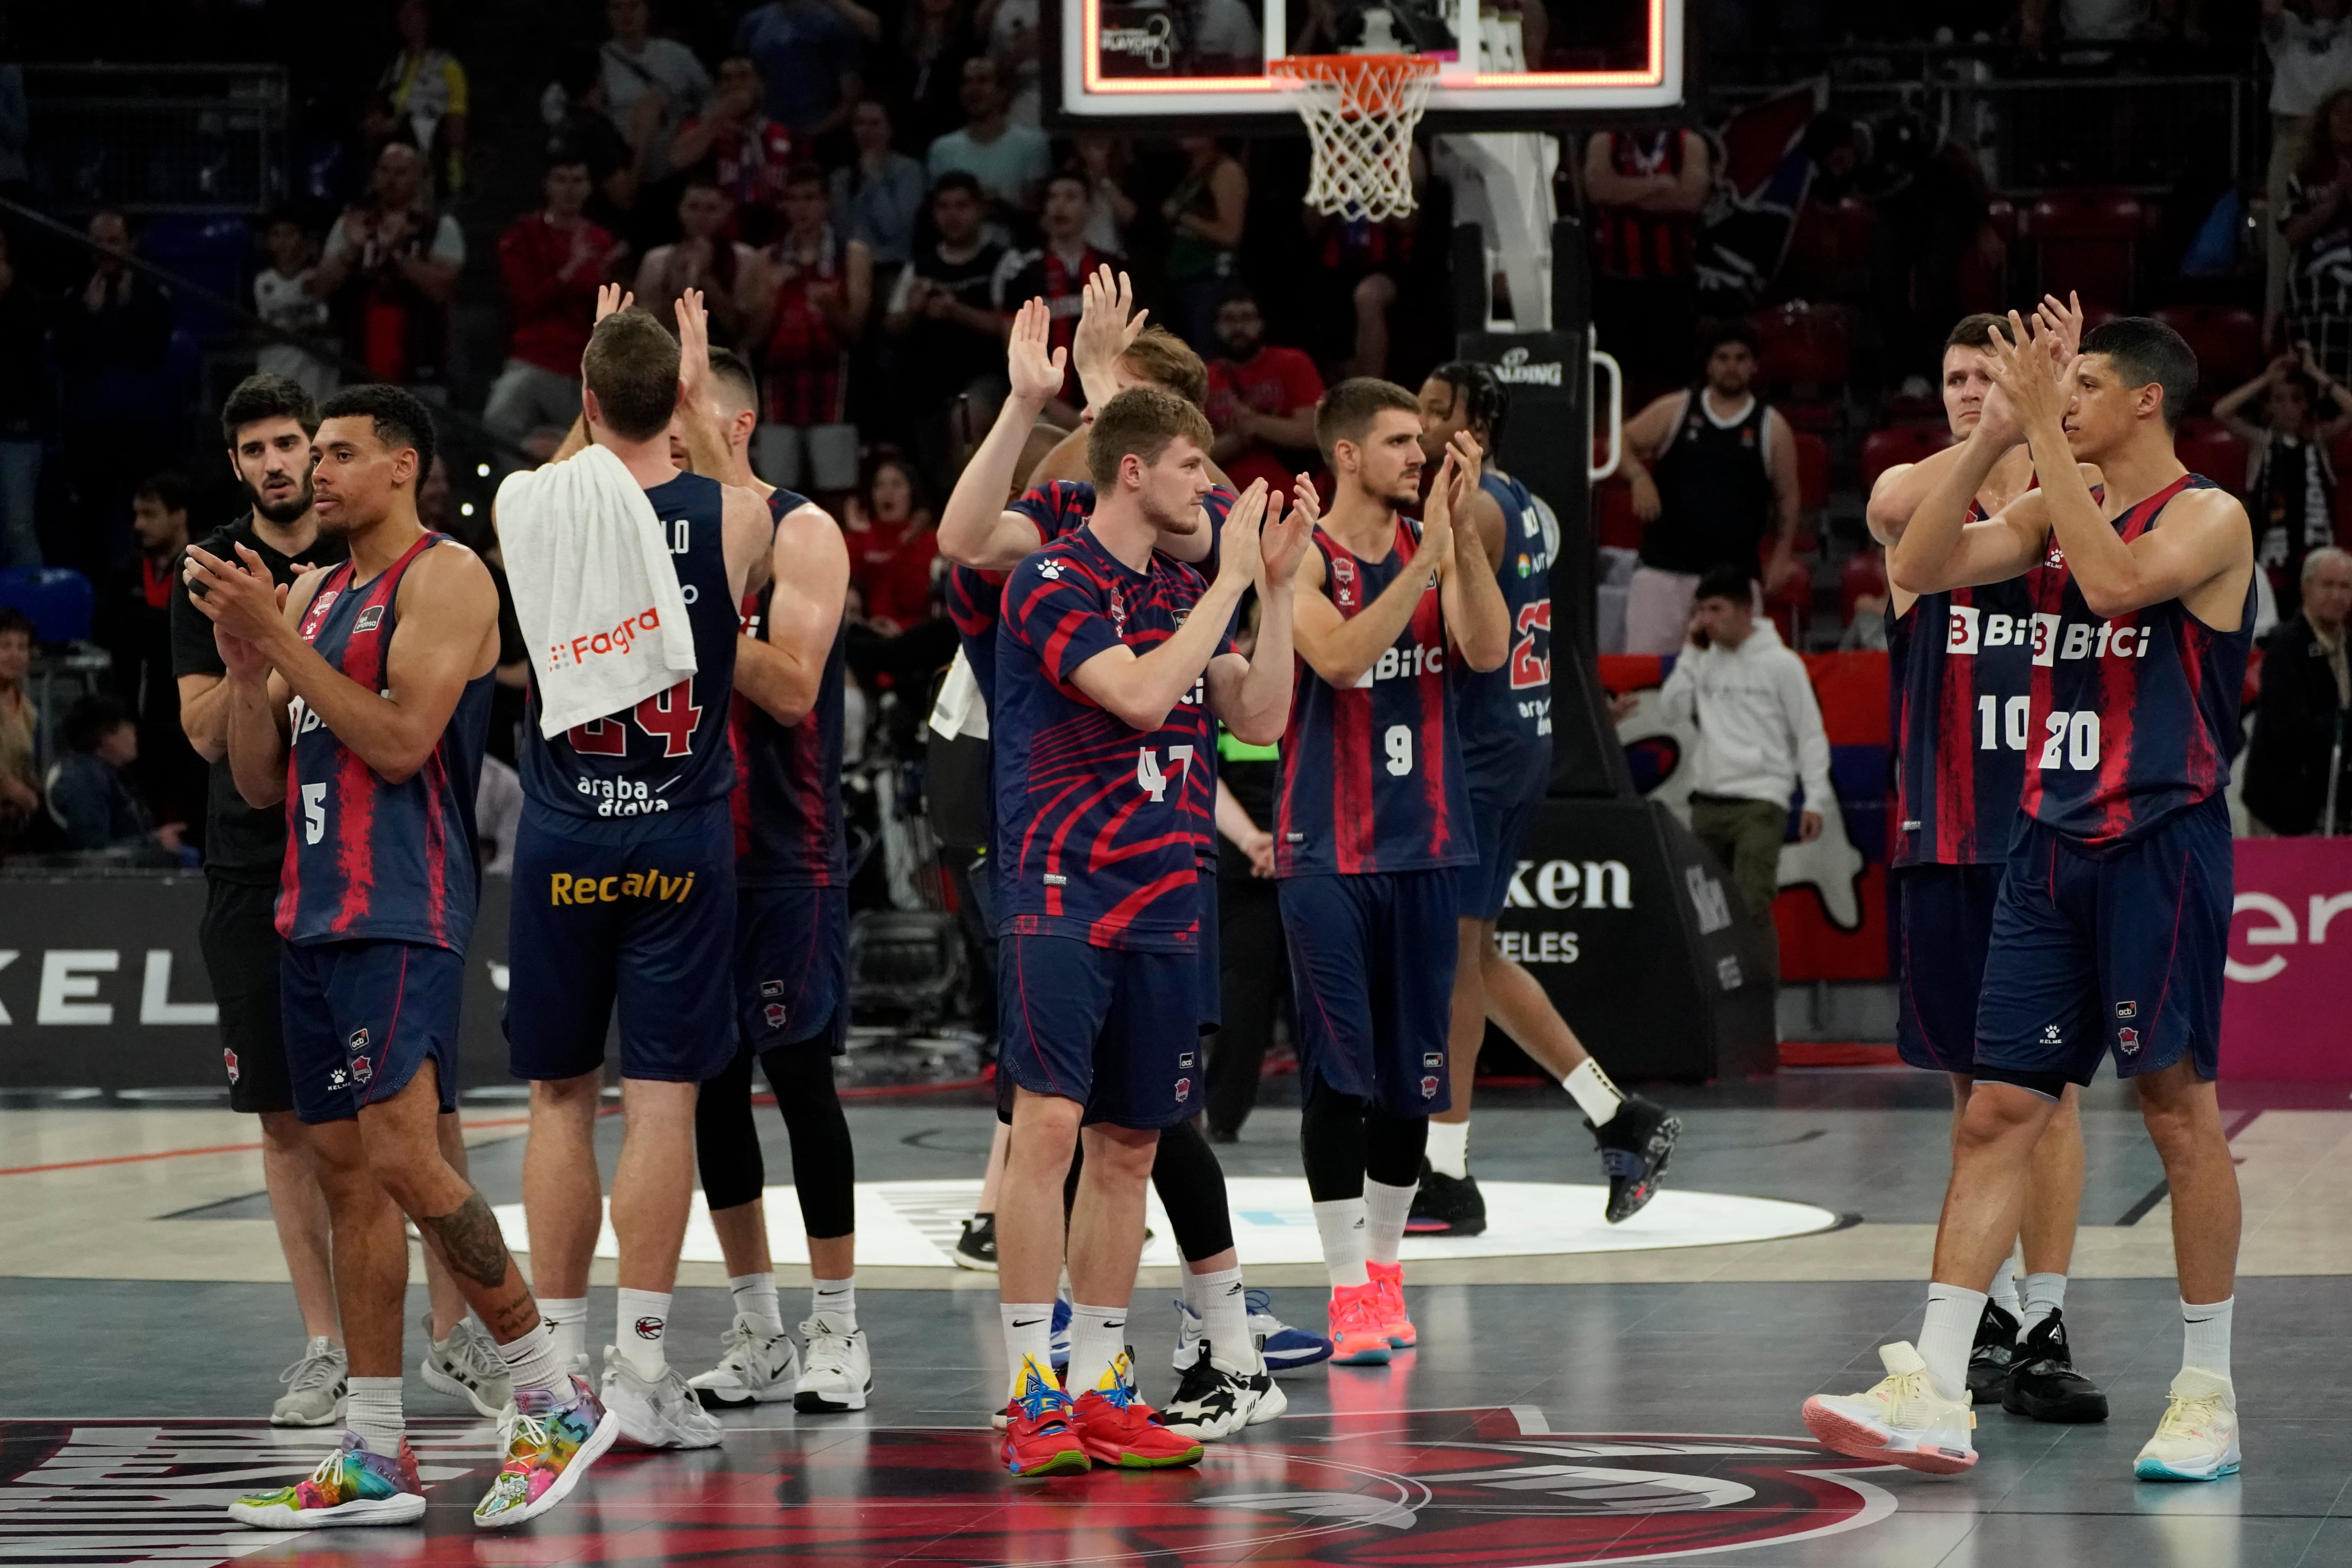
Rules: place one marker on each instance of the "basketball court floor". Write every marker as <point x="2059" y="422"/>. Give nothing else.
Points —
<point x="1567" y="1405"/>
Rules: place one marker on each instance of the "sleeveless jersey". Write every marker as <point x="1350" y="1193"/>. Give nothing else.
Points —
<point x="787" y="797"/>
<point x="2133" y="716"/>
<point x="669" y="753"/>
<point x="1630" y="243"/>
<point x="1506" y="714"/>
<point x="366" y="859"/>
<point x="1372" y="776"/>
<point x="1962" y="686"/>
<point x="1095" y="828"/>
<point x="1714" y="493"/>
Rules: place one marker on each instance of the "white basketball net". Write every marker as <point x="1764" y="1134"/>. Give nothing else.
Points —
<point x="1361" y="110"/>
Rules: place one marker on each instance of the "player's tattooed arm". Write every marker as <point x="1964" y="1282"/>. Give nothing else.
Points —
<point x="468" y="1240"/>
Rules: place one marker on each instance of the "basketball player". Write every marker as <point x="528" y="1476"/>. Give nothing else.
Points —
<point x="1964" y="686"/>
<point x="1506" y="722"/>
<point x="2111" y="926"/>
<point x="362" y="704"/>
<point x="791" y="930"/>
<point x="1374" y="819"/>
<point x="636" y="799"/>
<point x="1106" y="641"/>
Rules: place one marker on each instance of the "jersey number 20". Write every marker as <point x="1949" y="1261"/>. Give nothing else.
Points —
<point x="669" y="716"/>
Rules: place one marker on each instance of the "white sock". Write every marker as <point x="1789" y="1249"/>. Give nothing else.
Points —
<point x="2044" y="1294"/>
<point x="641" y="1323"/>
<point x="2004" y="1288"/>
<point x="372" y="1410"/>
<point x="1594" y="1093"/>
<point x="531" y="1361"/>
<point x="2205" y="1342"/>
<point x="1449" y="1148"/>
<point x="837" y="1299"/>
<point x="566" y="1319"/>
<point x="755" y="1298"/>
<point x="1386" y="1209"/>
<point x="1949" y="1334"/>
<point x="1097" y="1339"/>
<point x="1224" y="1316"/>
<point x="1028" y="1336"/>
<point x="1341" y="1224"/>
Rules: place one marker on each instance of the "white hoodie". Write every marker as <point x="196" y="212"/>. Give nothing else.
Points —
<point x="1759" y="728"/>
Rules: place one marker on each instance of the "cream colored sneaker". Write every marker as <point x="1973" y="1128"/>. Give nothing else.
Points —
<point x="1902" y="1419"/>
<point x="2198" y="1438"/>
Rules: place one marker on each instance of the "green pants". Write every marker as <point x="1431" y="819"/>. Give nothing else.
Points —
<point x="1745" y="835"/>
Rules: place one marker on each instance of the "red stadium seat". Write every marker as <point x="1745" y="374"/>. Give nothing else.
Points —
<point x="2227" y="341"/>
<point x="2088" y="242"/>
<point x="1863" y="574"/>
<point x="2210" y="450"/>
<point x="1613" y="522"/>
<point x="1883" y="449"/>
<point x="1812" y="471"/>
<point x="1807" y="358"/>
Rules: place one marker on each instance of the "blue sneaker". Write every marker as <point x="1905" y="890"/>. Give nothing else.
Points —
<point x="1061" y="1332"/>
<point x="1284" y="1348"/>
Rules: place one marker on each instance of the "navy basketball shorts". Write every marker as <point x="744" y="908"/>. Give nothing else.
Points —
<point x="1109" y="1028"/>
<point x="649" y="923"/>
<point x="792" y="967"/>
<point x="1210" y="1005"/>
<point x="360" y="1018"/>
<point x="2109" y="951"/>
<point x="1943" y="925"/>
<point x="1372" y="965"/>
<point x="1501" y="823"/>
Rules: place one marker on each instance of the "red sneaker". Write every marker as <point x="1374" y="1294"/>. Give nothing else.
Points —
<point x="1118" y="1428"/>
<point x="1387" y="1279"/>
<point x="1039" y="1436"/>
<point x="1359" y="1326"/>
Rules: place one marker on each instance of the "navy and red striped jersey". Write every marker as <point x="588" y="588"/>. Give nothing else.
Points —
<point x="2133" y="716"/>
<point x="669" y="753"/>
<point x="1095" y="824"/>
<point x="1506" y="714"/>
<point x="366" y="859"/>
<point x="787" y="799"/>
<point x="1372" y="776"/>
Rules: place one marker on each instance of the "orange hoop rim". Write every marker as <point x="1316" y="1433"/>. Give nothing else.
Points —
<point x="1302" y="70"/>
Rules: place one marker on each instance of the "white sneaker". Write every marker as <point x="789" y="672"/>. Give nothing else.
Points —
<point x="2198" y="1438"/>
<point x="466" y="1366"/>
<point x="314" y="1394"/>
<point x="1902" y="1420"/>
<point x="1213" y="1399"/>
<point x="840" y="1373"/>
<point x="661" y="1413"/>
<point x="757" y="1367"/>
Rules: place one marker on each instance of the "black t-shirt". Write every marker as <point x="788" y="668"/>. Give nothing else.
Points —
<point x="241" y="844"/>
<point x="946" y="355"/>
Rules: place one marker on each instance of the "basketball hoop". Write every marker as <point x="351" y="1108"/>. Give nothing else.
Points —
<point x="1361" y="110"/>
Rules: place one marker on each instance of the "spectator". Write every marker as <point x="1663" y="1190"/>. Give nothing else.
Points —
<point x="942" y="316"/>
<point x="2311" y="57"/>
<point x="1013" y="39"/>
<point x="283" y="297"/>
<point x="550" y="262"/>
<point x="922" y="79"/>
<point x="894" y="547"/>
<point x="1360" y="271"/>
<point x="819" y="292"/>
<point x="652" y="86"/>
<point x="878" y="195"/>
<point x="1056" y="272"/>
<point x="1253" y="959"/>
<point x="1011" y="161"/>
<point x="812" y="57"/>
<point x="112" y="343"/>
<point x="172" y="776"/>
<point x="90" y="795"/>
<point x="2298" y="759"/>
<point x="1645" y="188"/>
<point x="2290" y="483"/>
<point x="727" y="271"/>
<point x="2318" y="230"/>
<point x="1760" y="734"/>
<point x="23" y="323"/>
<point x="1261" y="400"/>
<point x="391" y="266"/>
<point x="1714" y="472"/>
<point x="740" y="151"/>
<point x="20" y="765"/>
<point x="422" y="97"/>
<point x="1204" y="215"/>
<point x="580" y="132"/>
<point x="1110" y="209"/>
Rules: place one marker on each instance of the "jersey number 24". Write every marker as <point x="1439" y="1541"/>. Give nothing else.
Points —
<point x="669" y="716"/>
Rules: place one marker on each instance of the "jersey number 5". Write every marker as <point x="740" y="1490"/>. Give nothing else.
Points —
<point x="314" y="813"/>
<point x="1150" y="779"/>
<point x="669" y="716"/>
<point x="1531" y="654"/>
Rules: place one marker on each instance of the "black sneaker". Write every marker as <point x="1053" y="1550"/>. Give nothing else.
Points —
<point x="1636" y="1145"/>
<point x="1989" y="1357"/>
<point x="976" y="1248"/>
<point x="1446" y="1205"/>
<point x="2044" y="1384"/>
<point x="1211" y="1402"/>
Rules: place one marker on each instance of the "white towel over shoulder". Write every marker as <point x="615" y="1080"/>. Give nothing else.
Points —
<point x="595" y="588"/>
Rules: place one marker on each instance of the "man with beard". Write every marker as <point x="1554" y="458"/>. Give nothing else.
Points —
<point x="1262" y="399"/>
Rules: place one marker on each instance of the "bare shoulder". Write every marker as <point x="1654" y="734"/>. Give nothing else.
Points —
<point x="2211" y="509"/>
<point x="809" y="529"/>
<point x="444" y="575"/>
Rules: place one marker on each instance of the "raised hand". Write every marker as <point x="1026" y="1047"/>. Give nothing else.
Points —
<point x="1034" y="365"/>
<point x="1304" y="501"/>
<point x="1237" y="544"/>
<point x="2019" y="367"/>
<point x="1437" y="513"/>
<point x="2060" y="328"/>
<point x="611" y="297"/>
<point x="1282" y="541"/>
<point x="1106" y="328"/>
<point x="693" y="347"/>
<point x="237" y="595"/>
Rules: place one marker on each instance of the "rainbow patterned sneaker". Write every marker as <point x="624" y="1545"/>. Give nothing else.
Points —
<point x="1120" y="1430"/>
<point x="1389" y="1280"/>
<point x="550" y="1446"/>
<point x="352" y="1486"/>
<point x="1039" y="1439"/>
